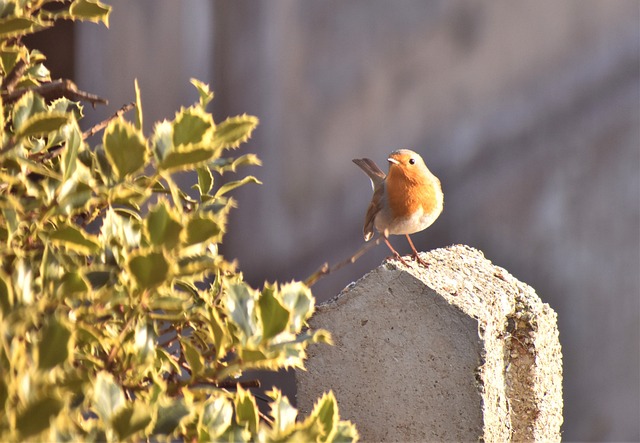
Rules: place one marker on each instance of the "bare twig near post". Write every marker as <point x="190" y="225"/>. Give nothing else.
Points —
<point x="56" y="89"/>
<point x="103" y="124"/>
<point x="325" y="269"/>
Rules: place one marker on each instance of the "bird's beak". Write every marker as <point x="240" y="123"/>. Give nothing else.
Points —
<point x="393" y="160"/>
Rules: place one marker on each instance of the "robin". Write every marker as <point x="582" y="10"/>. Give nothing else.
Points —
<point x="406" y="200"/>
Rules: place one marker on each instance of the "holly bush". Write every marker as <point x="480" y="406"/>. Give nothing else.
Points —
<point x="119" y="318"/>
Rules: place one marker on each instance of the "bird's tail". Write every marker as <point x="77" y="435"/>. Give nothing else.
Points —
<point x="371" y="169"/>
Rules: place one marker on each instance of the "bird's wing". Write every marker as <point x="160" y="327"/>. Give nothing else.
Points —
<point x="374" y="208"/>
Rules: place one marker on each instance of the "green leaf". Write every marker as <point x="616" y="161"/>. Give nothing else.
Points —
<point x="42" y="123"/>
<point x="168" y="303"/>
<point x="345" y="432"/>
<point x="162" y="139"/>
<point x="144" y="341"/>
<point x="71" y="148"/>
<point x="205" y="180"/>
<point x="139" y="119"/>
<point x="194" y="359"/>
<point x="125" y="147"/>
<point x="164" y="230"/>
<point x="53" y="348"/>
<point x="201" y="229"/>
<point x="203" y="90"/>
<point x="234" y="131"/>
<point x="4" y="393"/>
<point x="275" y="318"/>
<point x="240" y="303"/>
<point x="284" y="415"/>
<point x="326" y="412"/>
<point x="72" y="283"/>
<point x="246" y="410"/>
<point x="170" y="416"/>
<point x="131" y="419"/>
<point x="216" y="416"/>
<point x="297" y="298"/>
<point x="185" y="158"/>
<point x="192" y="126"/>
<point x="108" y="398"/>
<point x="35" y="417"/>
<point x="73" y="195"/>
<point x="6" y="294"/>
<point x="15" y="26"/>
<point x="74" y="239"/>
<point x="235" y="184"/>
<point x="9" y="57"/>
<point x="232" y="164"/>
<point x="26" y="106"/>
<point x="149" y="269"/>
<point x="91" y="10"/>
<point x="98" y="279"/>
<point x="220" y="333"/>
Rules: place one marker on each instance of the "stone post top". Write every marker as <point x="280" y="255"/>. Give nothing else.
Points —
<point x="466" y="279"/>
<point x="455" y="351"/>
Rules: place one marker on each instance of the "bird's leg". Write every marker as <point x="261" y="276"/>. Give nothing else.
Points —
<point x="386" y="240"/>
<point x="415" y="253"/>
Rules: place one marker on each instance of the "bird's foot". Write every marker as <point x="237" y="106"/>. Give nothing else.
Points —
<point x="417" y="258"/>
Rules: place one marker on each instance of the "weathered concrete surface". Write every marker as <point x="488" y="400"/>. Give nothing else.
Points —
<point x="454" y="352"/>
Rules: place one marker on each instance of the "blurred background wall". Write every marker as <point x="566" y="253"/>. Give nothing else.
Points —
<point x="529" y="112"/>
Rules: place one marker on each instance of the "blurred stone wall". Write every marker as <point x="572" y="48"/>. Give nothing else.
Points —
<point x="529" y="112"/>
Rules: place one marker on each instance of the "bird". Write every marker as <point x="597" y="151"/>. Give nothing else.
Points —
<point x="406" y="200"/>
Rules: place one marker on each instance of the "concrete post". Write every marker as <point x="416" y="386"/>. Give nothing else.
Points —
<point x="457" y="351"/>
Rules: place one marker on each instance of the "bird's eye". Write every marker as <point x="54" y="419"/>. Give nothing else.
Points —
<point x="412" y="161"/>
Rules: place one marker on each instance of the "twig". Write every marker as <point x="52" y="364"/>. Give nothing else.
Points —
<point x="234" y="384"/>
<point x="325" y="269"/>
<point x="103" y="124"/>
<point x="55" y="89"/>
<point x="14" y="76"/>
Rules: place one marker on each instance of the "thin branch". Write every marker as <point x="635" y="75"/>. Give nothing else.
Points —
<point x="103" y="124"/>
<point x="14" y="76"/>
<point x="56" y="89"/>
<point x="325" y="269"/>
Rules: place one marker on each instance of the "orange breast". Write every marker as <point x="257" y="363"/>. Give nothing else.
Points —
<point x="406" y="194"/>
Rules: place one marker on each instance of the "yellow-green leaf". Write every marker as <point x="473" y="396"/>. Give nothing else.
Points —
<point x="91" y="10"/>
<point x="139" y="119"/>
<point x="170" y="416"/>
<point x="131" y="419"/>
<point x="125" y="147"/>
<point x="108" y="398"/>
<point x="206" y="95"/>
<point x="240" y="302"/>
<point x="43" y="123"/>
<point x="28" y="105"/>
<point x="193" y="357"/>
<point x="205" y="180"/>
<point x="72" y="283"/>
<point x="234" y="131"/>
<point x="201" y="229"/>
<point x="274" y="316"/>
<point x="53" y="348"/>
<point x="149" y="269"/>
<point x="246" y="410"/>
<point x="74" y="239"/>
<point x="185" y="158"/>
<point x="14" y="26"/>
<point x="235" y="184"/>
<point x="163" y="227"/>
<point x="35" y="417"/>
<point x="216" y="416"/>
<point x="191" y="127"/>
